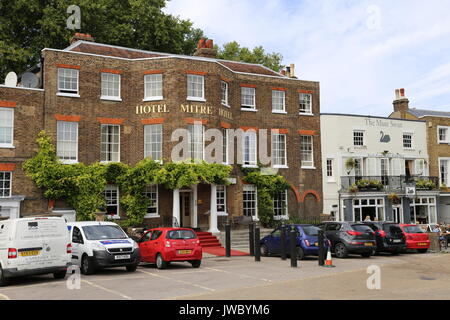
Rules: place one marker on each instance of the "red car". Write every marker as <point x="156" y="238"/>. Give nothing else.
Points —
<point x="415" y="238"/>
<point x="165" y="245"/>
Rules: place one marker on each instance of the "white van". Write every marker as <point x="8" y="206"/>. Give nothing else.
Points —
<point x="30" y="246"/>
<point x="102" y="244"/>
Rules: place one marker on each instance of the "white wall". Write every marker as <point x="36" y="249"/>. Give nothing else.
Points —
<point x="337" y="144"/>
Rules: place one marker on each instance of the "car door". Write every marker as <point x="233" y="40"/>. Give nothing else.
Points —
<point x="154" y="245"/>
<point x="77" y="243"/>
<point x="274" y="243"/>
<point x="144" y="246"/>
<point x="288" y="237"/>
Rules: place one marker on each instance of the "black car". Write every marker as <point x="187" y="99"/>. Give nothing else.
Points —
<point x="349" y="237"/>
<point x="388" y="235"/>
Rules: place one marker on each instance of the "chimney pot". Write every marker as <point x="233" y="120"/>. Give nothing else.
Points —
<point x="209" y="44"/>
<point x="205" y="48"/>
<point x="401" y="103"/>
<point x="81" y="36"/>
<point x="402" y="92"/>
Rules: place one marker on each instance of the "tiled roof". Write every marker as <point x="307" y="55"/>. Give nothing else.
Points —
<point x="121" y="52"/>
<point x="422" y="113"/>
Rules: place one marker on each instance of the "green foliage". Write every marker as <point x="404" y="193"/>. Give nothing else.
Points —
<point x="82" y="186"/>
<point x="268" y="187"/>
<point x="233" y="51"/>
<point x="425" y="184"/>
<point x="350" y="164"/>
<point x="369" y="184"/>
<point x="28" y="26"/>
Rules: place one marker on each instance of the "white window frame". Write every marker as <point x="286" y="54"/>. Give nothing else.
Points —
<point x="113" y="187"/>
<point x="411" y="134"/>
<point x="2" y="188"/>
<point x="247" y="92"/>
<point x="251" y="188"/>
<point x="116" y="79"/>
<point x="11" y="127"/>
<point x="193" y="131"/>
<point x="155" y="79"/>
<point x="190" y="80"/>
<point x="357" y="204"/>
<point x="69" y="92"/>
<point x="329" y="168"/>
<point x="224" y="91"/>
<point x="276" y="108"/>
<point x="447" y="135"/>
<point x="448" y="171"/>
<point x="419" y="202"/>
<point x="148" y="190"/>
<point x="307" y="165"/>
<point x="252" y="149"/>
<point x="225" y="158"/>
<point x="221" y="195"/>
<point x="150" y="144"/>
<point x="278" y="152"/>
<point x="363" y="138"/>
<point x="302" y="101"/>
<point x="58" y="140"/>
<point x="284" y="216"/>
<point x="101" y="143"/>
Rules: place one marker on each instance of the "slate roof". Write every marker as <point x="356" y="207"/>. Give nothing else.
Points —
<point x="128" y="53"/>
<point x="420" y="113"/>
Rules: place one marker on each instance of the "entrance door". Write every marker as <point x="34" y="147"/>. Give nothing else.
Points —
<point x="185" y="209"/>
<point x="397" y="213"/>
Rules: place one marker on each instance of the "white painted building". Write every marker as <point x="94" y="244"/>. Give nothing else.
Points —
<point x="369" y="163"/>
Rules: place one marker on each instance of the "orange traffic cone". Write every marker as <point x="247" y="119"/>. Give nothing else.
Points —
<point x="329" y="262"/>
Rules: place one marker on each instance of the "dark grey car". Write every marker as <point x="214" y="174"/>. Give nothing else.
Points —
<point x="388" y="235"/>
<point x="349" y="238"/>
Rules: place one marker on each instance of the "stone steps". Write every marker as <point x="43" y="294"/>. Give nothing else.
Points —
<point x="240" y="238"/>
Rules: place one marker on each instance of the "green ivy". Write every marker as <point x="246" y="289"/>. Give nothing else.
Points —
<point x="82" y="186"/>
<point x="269" y="185"/>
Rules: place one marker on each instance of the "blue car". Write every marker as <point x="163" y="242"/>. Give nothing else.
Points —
<point x="307" y="241"/>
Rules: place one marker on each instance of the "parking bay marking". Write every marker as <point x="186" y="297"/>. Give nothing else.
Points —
<point x="181" y="281"/>
<point x="108" y="290"/>
<point x="4" y="297"/>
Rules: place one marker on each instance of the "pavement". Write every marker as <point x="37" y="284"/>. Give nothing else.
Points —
<point x="407" y="276"/>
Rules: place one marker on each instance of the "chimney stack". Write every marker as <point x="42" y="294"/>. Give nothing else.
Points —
<point x="205" y="48"/>
<point x="401" y="103"/>
<point x="289" y="71"/>
<point x="82" y="36"/>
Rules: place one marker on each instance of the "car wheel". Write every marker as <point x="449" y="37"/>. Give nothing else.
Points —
<point x="60" y="274"/>
<point x="196" y="263"/>
<point x="264" y="250"/>
<point x="132" y="268"/>
<point x="366" y="254"/>
<point x="87" y="267"/>
<point x="160" y="263"/>
<point x="422" y="250"/>
<point x="300" y="253"/>
<point x="341" y="251"/>
<point x="3" y="281"/>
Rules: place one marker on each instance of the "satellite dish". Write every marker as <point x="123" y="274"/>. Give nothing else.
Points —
<point x="11" y="79"/>
<point x="29" y="80"/>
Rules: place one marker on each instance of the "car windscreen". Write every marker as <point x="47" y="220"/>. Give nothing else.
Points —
<point x="180" y="234"/>
<point x="361" y="228"/>
<point x="392" y="229"/>
<point x="102" y="232"/>
<point x="311" y="230"/>
<point x="413" y="229"/>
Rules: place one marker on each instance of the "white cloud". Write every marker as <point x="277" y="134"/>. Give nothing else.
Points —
<point x="360" y="51"/>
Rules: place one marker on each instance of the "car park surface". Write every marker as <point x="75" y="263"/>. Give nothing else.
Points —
<point x="412" y="276"/>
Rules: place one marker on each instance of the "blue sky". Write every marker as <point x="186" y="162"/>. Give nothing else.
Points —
<point x="360" y="51"/>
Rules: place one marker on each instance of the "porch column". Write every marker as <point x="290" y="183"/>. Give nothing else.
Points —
<point x="213" y="211"/>
<point x="176" y="207"/>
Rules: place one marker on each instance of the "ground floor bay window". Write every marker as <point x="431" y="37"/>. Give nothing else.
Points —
<point x="250" y="201"/>
<point x="423" y="210"/>
<point x="280" y="209"/>
<point x="364" y="208"/>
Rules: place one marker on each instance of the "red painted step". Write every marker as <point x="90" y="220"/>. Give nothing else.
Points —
<point x="207" y="239"/>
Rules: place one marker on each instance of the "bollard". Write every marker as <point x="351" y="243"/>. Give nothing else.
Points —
<point x="251" y="235"/>
<point x="293" y="247"/>
<point x="283" y="242"/>
<point x="228" y="239"/>
<point x="321" y="240"/>
<point x="257" y="244"/>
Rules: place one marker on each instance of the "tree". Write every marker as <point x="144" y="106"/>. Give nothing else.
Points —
<point x="233" y="51"/>
<point x="28" y="26"/>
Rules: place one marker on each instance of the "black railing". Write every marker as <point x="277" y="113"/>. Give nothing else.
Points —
<point x="387" y="183"/>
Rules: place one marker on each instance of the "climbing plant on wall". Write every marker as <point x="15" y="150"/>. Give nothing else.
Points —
<point x="82" y="185"/>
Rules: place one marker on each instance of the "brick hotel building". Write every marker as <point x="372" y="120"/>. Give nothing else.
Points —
<point x="104" y="103"/>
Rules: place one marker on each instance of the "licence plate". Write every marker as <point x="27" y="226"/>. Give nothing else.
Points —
<point x="423" y="243"/>
<point x="29" y="253"/>
<point x="122" y="256"/>
<point x="184" y="251"/>
<point x="368" y="244"/>
<point x="397" y="240"/>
